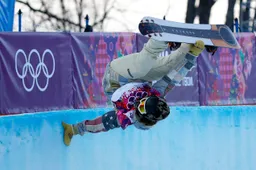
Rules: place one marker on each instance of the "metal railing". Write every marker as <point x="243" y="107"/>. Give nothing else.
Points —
<point x="247" y="15"/>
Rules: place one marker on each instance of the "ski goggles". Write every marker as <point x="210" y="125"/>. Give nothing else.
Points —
<point x="142" y="106"/>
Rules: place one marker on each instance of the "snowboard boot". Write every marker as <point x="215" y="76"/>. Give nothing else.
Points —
<point x="211" y="49"/>
<point x="69" y="132"/>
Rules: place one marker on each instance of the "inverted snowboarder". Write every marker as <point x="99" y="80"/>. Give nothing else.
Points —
<point x="128" y="83"/>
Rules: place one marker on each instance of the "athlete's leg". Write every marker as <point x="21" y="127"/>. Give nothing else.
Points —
<point x="102" y="123"/>
<point x="130" y="67"/>
<point x="137" y="65"/>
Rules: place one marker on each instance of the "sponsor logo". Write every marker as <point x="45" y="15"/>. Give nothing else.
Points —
<point x="27" y="68"/>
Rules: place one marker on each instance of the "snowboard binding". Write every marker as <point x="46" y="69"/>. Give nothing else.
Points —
<point x="211" y="49"/>
<point x="174" y="45"/>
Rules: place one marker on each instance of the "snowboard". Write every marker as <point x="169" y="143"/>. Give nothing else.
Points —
<point x="164" y="30"/>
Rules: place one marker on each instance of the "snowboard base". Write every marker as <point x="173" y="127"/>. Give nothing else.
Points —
<point x="211" y="35"/>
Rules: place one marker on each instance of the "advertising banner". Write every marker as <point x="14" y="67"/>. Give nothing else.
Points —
<point x="6" y="15"/>
<point x="228" y="77"/>
<point x="91" y="54"/>
<point x="36" y="72"/>
<point x="54" y="71"/>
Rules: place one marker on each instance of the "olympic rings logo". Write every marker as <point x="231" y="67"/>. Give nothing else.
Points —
<point x="28" y="69"/>
<point x="133" y="98"/>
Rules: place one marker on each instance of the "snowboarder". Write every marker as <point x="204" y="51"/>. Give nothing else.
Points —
<point x="137" y="84"/>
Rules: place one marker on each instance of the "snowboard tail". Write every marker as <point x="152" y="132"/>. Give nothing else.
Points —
<point x="212" y="35"/>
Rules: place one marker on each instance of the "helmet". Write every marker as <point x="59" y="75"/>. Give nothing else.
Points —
<point x="151" y="109"/>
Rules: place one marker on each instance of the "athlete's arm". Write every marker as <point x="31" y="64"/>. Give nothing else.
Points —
<point x="164" y="85"/>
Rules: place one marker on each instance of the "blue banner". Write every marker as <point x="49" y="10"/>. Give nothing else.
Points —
<point x="6" y="14"/>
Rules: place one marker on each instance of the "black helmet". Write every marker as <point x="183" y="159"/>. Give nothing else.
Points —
<point x="151" y="109"/>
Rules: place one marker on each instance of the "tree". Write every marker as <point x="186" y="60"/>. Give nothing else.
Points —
<point x="245" y="18"/>
<point x="245" y="15"/>
<point x="68" y="15"/>
<point x="230" y="14"/>
<point x="203" y="11"/>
